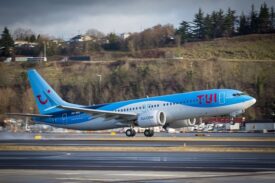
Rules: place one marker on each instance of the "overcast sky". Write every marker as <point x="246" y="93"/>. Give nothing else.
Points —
<point x="65" y="18"/>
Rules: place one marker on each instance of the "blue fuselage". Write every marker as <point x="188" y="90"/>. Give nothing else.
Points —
<point x="176" y="106"/>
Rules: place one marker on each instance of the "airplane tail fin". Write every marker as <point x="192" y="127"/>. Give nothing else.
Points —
<point x="46" y="98"/>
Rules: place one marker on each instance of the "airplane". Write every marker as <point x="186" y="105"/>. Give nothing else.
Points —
<point x="173" y="111"/>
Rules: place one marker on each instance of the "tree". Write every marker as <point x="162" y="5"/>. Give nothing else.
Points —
<point x="272" y="19"/>
<point x="264" y="21"/>
<point x="22" y="34"/>
<point x="244" y="27"/>
<point x="220" y="23"/>
<point x="208" y="28"/>
<point x="216" y="26"/>
<point x="114" y="42"/>
<point x="95" y="33"/>
<point x="184" y="31"/>
<point x="199" y="28"/>
<point x="254" y="27"/>
<point x="32" y="38"/>
<point x="7" y="43"/>
<point x="229" y="22"/>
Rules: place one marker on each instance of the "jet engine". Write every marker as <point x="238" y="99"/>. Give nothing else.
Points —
<point x="151" y="119"/>
<point x="182" y="123"/>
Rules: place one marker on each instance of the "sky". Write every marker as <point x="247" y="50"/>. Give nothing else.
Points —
<point x="66" y="18"/>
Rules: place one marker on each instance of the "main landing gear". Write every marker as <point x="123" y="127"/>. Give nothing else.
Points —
<point x="149" y="133"/>
<point x="130" y="132"/>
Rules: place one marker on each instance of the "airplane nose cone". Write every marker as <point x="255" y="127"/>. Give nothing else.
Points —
<point x="253" y="101"/>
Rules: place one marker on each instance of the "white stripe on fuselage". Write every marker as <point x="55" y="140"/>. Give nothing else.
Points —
<point x="173" y="113"/>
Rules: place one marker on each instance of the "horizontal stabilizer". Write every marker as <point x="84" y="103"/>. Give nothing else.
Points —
<point x="29" y="115"/>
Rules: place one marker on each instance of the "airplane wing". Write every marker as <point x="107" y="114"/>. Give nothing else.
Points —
<point x="102" y="113"/>
<point x="29" y="115"/>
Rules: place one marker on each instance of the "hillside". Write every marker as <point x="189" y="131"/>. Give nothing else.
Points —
<point x="251" y="47"/>
<point x="76" y="82"/>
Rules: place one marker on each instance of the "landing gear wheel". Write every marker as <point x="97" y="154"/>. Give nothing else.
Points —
<point x="149" y="133"/>
<point x="130" y="133"/>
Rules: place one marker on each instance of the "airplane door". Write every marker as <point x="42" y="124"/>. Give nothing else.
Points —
<point x="222" y="98"/>
<point x="145" y="107"/>
<point x="64" y="118"/>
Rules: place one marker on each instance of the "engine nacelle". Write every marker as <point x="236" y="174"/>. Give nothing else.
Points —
<point x="183" y="123"/>
<point x="151" y="119"/>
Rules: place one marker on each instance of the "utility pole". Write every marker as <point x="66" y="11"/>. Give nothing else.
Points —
<point x="99" y="84"/>
<point x="45" y="51"/>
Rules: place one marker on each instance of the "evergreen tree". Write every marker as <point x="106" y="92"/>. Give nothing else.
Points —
<point x="244" y="27"/>
<point x="7" y="43"/>
<point x="208" y="28"/>
<point x="32" y="38"/>
<point x="214" y="27"/>
<point x="184" y="31"/>
<point x="254" y="27"/>
<point x="264" y="20"/>
<point x="114" y="42"/>
<point x="220" y="23"/>
<point x="199" y="29"/>
<point x="272" y="19"/>
<point x="217" y="19"/>
<point x="229" y="22"/>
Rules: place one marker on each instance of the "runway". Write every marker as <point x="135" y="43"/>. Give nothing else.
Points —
<point x="140" y="143"/>
<point x="138" y="161"/>
<point x="136" y="167"/>
<point x="55" y="165"/>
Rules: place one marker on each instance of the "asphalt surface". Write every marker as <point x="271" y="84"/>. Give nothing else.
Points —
<point x="137" y="143"/>
<point x="138" y="161"/>
<point x="109" y="166"/>
<point x="114" y="176"/>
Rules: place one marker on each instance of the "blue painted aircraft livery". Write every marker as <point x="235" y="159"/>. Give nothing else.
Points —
<point x="173" y="110"/>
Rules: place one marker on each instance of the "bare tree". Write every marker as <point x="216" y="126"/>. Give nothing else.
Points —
<point x="22" y="34"/>
<point x="95" y="33"/>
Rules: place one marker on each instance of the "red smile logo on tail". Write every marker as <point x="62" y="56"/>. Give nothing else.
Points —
<point x="43" y="102"/>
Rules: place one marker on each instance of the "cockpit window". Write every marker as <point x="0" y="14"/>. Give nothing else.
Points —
<point x="238" y="94"/>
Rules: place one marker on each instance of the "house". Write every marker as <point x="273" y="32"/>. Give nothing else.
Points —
<point x="82" y="38"/>
<point x="25" y="44"/>
<point x="125" y="35"/>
